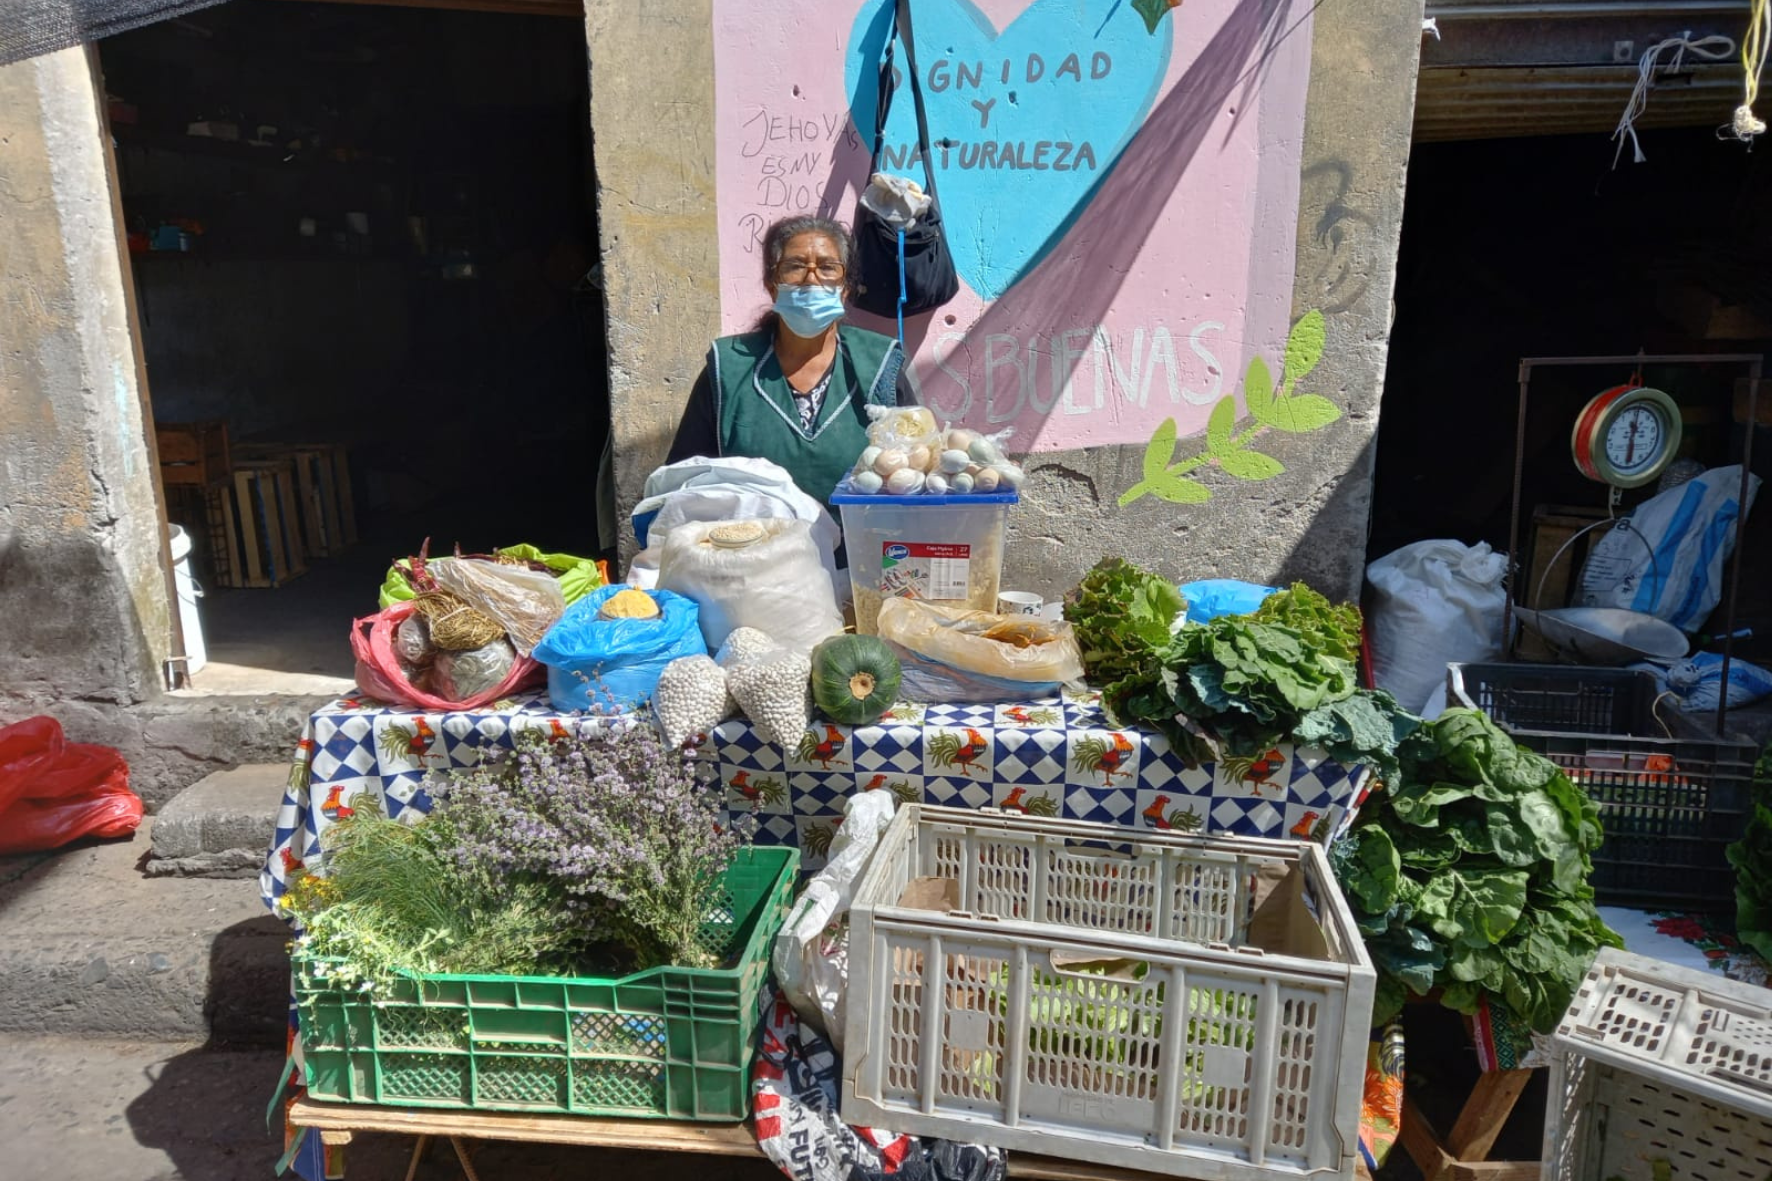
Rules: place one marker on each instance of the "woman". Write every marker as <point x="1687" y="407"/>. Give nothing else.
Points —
<point x="795" y="390"/>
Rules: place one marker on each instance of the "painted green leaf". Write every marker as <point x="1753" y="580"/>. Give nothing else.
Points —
<point x="1304" y="348"/>
<point x="1219" y="426"/>
<point x="1258" y="390"/>
<point x="1251" y="465"/>
<point x="1302" y="413"/>
<point x="1159" y="449"/>
<point x="1153" y="11"/>
<point x="1157" y="454"/>
<point x="1180" y="490"/>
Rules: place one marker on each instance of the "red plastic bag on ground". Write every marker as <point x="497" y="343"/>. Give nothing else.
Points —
<point x="379" y="674"/>
<point x="53" y="791"/>
<point x="114" y="810"/>
<point x="38" y="763"/>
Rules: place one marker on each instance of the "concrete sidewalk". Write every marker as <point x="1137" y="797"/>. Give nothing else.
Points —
<point x="91" y="1110"/>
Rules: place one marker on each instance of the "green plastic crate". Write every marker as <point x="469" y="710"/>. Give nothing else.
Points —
<point x="667" y="1043"/>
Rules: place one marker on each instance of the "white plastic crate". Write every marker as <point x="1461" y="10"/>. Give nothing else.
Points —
<point x="1095" y="995"/>
<point x="1660" y="1072"/>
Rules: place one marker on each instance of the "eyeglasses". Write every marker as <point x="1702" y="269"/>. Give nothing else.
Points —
<point x="825" y="274"/>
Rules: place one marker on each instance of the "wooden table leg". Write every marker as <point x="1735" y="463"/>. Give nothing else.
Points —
<point x="418" y="1152"/>
<point x="466" y="1158"/>
<point x="1485" y="1113"/>
<point x="1464" y="1155"/>
<point x="1422" y="1143"/>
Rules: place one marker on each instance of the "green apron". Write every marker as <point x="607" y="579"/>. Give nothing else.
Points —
<point x="754" y="405"/>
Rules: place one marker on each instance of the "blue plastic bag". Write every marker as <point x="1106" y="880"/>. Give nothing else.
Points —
<point x="616" y="663"/>
<point x="1214" y="597"/>
<point x="1698" y="682"/>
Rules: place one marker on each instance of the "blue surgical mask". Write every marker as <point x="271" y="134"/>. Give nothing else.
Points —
<point x="808" y="311"/>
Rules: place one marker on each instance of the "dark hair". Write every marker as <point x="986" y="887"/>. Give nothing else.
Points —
<point x="775" y="244"/>
<point x="777" y="237"/>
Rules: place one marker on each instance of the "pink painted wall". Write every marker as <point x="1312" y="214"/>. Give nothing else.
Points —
<point x="1127" y="281"/>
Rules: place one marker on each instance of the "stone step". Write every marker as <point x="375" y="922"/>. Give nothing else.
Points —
<point x="88" y="946"/>
<point x="221" y="825"/>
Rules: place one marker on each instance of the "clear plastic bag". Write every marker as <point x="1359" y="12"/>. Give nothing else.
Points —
<point x="908" y="454"/>
<point x="952" y="655"/>
<point x="412" y="643"/>
<point x="525" y="602"/>
<point x="461" y="675"/>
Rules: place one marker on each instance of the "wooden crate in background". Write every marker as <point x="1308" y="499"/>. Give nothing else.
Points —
<point x="258" y="530"/>
<point x="192" y="454"/>
<point x="325" y="507"/>
<point x="1552" y="526"/>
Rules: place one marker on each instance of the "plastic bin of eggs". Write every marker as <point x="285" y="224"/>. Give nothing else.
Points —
<point x="956" y="462"/>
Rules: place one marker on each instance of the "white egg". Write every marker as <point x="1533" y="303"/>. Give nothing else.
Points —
<point x="867" y="459"/>
<point x="961" y="483"/>
<point x="904" y="482"/>
<point x="889" y="461"/>
<point x="936" y="485"/>
<point x="954" y="461"/>
<point x="868" y="482"/>
<point x="984" y="451"/>
<point x="986" y="480"/>
<point x="1010" y="476"/>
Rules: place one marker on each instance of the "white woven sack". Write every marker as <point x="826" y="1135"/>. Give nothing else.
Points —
<point x="1434" y="602"/>
<point x="777" y="583"/>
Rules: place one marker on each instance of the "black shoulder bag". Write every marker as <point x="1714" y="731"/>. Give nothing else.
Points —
<point x="902" y="273"/>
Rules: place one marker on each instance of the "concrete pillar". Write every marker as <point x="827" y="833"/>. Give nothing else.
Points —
<point x="652" y="114"/>
<point x="84" y="602"/>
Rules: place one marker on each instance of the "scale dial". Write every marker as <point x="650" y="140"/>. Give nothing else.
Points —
<point x="1627" y="436"/>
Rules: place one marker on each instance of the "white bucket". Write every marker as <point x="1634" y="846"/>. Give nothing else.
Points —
<point x="196" y="655"/>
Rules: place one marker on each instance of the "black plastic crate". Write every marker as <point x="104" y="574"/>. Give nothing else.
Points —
<point x="1670" y="807"/>
<point x="1558" y="698"/>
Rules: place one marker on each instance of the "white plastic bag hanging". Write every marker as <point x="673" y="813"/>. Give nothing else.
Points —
<point x="1434" y="602"/>
<point x="811" y="956"/>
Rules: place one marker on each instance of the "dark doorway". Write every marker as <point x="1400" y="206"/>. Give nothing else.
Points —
<point x="370" y="230"/>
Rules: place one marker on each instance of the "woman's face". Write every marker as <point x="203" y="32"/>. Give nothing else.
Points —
<point x="809" y="259"/>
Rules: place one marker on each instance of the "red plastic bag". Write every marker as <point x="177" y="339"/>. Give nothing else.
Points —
<point x="379" y="675"/>
<point x="53" y="791"/>
<point x="34" y="825"/>
<point x="38" y="763"/>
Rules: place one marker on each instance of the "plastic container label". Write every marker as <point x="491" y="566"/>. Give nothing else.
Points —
<point x="922" y="570"/>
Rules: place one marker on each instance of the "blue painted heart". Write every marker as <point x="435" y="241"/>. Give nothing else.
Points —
<point x="1025" y="122"/>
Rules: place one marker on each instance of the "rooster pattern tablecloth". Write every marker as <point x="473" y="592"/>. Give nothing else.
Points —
<point x="1056" y="757"/>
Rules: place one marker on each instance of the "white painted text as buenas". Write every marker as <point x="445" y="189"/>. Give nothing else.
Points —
<point x="1083" y="367"/>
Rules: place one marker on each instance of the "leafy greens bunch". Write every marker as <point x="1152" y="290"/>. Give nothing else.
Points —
<point x="1122" y="617"/>
<point x="1239" y="684"/>
<point x="1752" y="858"/>
<point x="395" y="900"/>
<point x="1470" y="875"/>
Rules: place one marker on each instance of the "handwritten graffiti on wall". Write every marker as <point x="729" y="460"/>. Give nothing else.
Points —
<point x="1119" y="182"/>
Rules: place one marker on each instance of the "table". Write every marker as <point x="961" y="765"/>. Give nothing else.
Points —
<point x="1052" y="757"/>
<point x="338" y="1122"/>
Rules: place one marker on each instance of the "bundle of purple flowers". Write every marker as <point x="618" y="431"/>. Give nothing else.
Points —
<point x="630" y="835"/>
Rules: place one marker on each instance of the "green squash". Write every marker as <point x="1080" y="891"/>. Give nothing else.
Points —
<point x="854" y="679"/>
